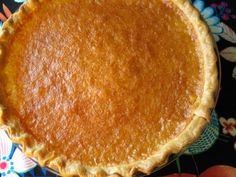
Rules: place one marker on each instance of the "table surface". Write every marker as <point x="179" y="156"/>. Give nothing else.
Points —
<point x="215" y="153"/>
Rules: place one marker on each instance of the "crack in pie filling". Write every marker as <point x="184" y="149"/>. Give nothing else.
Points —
<point x="99" y="88"/>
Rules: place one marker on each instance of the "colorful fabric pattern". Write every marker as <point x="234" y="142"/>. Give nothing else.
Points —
<point x="217" y="144"/>
<point x="12" y="161"/>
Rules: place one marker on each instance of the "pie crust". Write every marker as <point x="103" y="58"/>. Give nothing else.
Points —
<point x="188" y="136"/>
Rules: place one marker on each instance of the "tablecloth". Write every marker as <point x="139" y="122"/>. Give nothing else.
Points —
<point x="215" y="152"/>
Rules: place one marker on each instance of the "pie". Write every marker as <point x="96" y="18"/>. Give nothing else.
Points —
<point x="106" y="88"/>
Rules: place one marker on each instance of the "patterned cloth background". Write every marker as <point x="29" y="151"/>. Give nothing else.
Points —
<point x="214" y="154"/>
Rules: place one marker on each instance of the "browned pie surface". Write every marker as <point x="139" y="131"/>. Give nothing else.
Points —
<point x="105" y="82"/>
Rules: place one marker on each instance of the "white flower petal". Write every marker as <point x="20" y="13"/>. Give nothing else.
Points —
<point x="233" y="132"/>
<point x="21" y="162"/>
<point x="222" y="121"/>
<point x="199" y="5"/>
<point x="216" y="29"/>
<point x="12" y="174"/>
<point x="212" y="21"/>
<point x="207" y="12"/>
<point x="225" y="131"/>
<point x="231" y="121"/>
<point x="234" y="73"/>
<point x="5" y="144"/>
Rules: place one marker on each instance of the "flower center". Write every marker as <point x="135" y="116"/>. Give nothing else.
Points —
<point x="3" y="165"/>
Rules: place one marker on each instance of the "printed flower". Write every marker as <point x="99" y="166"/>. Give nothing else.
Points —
<point x="4" y="16"/>
<point x="212" y="20"/>
<point x="12" y="160"/>
<point x="223" y="11"/>
<point x="229" y="126"/>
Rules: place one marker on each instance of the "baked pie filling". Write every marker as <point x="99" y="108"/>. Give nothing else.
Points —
<point x="102" y="82"/>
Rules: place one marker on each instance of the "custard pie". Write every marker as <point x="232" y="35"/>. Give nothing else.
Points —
<point x="105" y="87"/>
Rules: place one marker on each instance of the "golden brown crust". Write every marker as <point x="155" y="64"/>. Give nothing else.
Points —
<point x="189" y="135"/>
<point x="206" y="102"/>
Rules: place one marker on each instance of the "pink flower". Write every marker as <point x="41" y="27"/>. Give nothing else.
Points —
<point x="225" y="17"/>
<point x="224" y="3"/>
<point x="220" y="6"/>
<point x="233" y="16"/>
<point x="213" y="5"/>
<point x="228" y="10"/>
<point x="229" y="126"/>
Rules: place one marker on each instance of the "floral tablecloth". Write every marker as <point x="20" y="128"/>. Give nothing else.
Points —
<point x="214" y="154"/>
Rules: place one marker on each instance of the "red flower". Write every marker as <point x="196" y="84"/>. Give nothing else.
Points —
<point x="182" y="175"/>
<point x="215" y="171"/>
<point x="219" y="171"/>
<point x="7" y="13"/>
